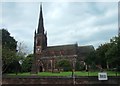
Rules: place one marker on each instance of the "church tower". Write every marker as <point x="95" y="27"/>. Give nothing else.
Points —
<point x="40" y="44"/>
<point x="41" y="38"/>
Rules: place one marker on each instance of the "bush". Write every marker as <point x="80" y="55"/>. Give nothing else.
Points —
<point x="65" y="64"/>
<point x="79" y="66"/>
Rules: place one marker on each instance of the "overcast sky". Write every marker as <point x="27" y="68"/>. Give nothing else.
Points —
<point x="87" y="23"/>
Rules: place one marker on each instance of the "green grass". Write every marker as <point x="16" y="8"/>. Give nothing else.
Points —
<point x="55" y="74"/>
<point x="77" y="73"/>
<point x="44" y="74"/>
<point x="109" y="73"/>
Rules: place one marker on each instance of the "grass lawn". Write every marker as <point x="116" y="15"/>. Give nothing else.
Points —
<point x="109" y="73"/>
<point x="77" y="73"/>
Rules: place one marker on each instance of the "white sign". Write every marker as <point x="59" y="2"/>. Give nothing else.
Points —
<point x="102" y="76"/>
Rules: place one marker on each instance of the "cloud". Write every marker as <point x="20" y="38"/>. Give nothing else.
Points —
<point x="60" y="0"/>
<point x="92" y="23"/>
<point x="65" y="22"/>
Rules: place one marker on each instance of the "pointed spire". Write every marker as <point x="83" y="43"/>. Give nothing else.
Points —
<point x="35" y="31"/>
<point x="40" y="24"/>
<point x="35" y="34"/>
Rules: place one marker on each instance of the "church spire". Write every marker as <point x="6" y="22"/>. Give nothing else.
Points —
<point x="40" y="23"/>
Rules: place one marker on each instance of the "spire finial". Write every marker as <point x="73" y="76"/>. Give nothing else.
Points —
<point x="41" y="6"/>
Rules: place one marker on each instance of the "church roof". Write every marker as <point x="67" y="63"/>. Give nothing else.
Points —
<point x="85" y="49"/>
<point x="61" y="50"/>
<point x="62" y="47"/>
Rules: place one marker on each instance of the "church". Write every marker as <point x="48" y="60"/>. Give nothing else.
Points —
<point x="45" y="57"/>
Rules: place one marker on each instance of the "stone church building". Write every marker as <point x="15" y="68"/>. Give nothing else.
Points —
<point x="45" y="57"/>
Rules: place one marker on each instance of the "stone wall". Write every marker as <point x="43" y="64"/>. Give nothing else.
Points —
<point x="37" y="80"/>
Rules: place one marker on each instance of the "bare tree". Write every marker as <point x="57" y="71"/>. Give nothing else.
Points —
<point x="22" y="51"/>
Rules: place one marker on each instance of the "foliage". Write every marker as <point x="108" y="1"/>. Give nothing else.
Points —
<point x="91" y="58"/>
<point x="79" y="66"/>
<point x="27" y="63"/>
<point x="106" y="55"/>
<point x="113" y="54"/>
<point x="65" y="64"/>
<point x="101" y="55"/>
<point x="9" y="45"/>
<point x="21" y="49"/>
<point x="8" y="41"/>
<point x="14" y="67"/>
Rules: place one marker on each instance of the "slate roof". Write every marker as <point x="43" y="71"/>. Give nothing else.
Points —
<point x="67" y="50"/>
<point x="83" y="51"/>
<point x="62" y="47"/>
<point x="61" y="50"/>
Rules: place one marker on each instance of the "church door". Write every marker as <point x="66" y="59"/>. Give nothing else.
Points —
<point x="40" y="69"/>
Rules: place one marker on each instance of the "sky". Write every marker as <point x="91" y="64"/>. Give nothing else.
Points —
<point x="85" y="23"/>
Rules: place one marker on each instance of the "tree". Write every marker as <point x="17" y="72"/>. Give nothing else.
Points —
<point x="91" y="60"/>
<point x="79" y="66"/>
<point x="65" y="64"/>
<point x="21" y="51"/>
<point x="113" y="54"/>
<point x="27" y="63"/>
<point x="118" y="52"/>
<point x="8" y="41"/>
<point x="106" y="55"/>
<point x="9" y="45"/>
<point x="101" y="54"/>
